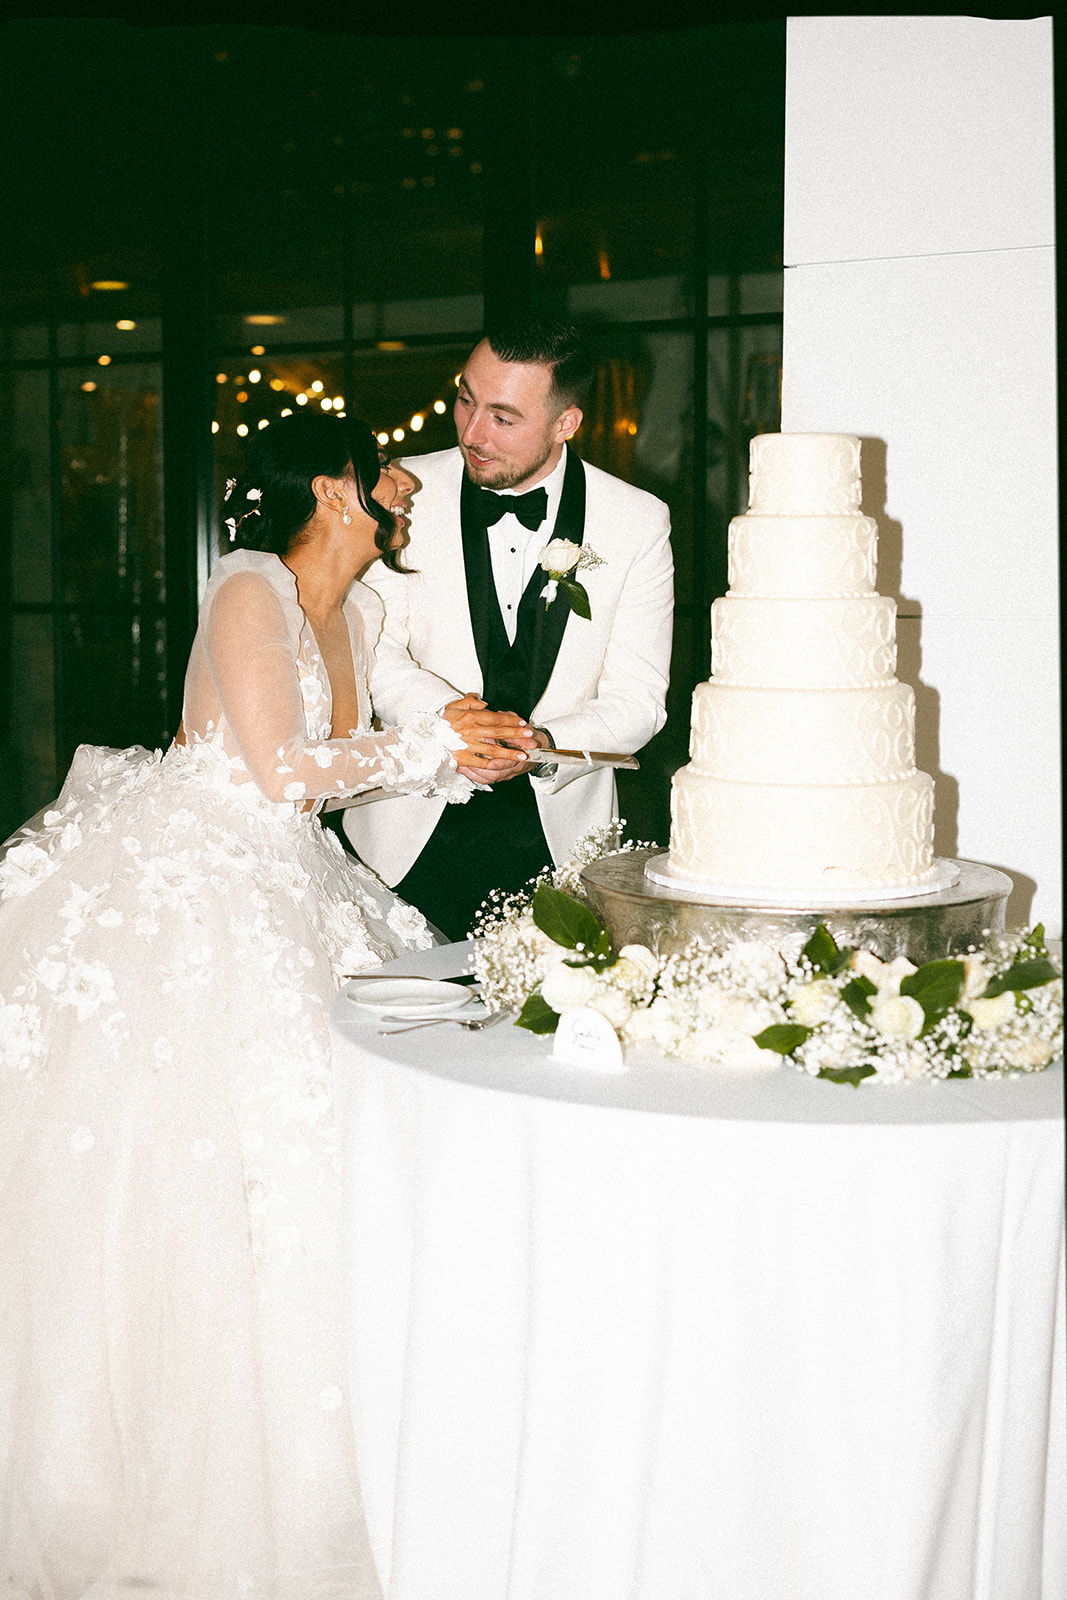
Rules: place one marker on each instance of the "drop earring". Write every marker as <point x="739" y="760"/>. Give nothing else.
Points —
<point x="345" y="518"/>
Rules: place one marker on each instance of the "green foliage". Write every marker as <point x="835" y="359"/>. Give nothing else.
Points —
<point x="784" y="1037"/>
<point x="537" y="1015"/>
<point x="937" y="985"/>
<point x="823" y="953"/>
<point x="851" y="1075"/>
<point x="855" y="993"/>
<point x="1023" y="975"/>
<point x="579" y="600"/>
<point x="570" y="924"/>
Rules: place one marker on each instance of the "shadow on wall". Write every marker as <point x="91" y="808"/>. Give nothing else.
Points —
<point x="873" y="455"/>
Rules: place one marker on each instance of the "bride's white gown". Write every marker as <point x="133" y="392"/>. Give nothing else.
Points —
<point x="173" y="1407"/>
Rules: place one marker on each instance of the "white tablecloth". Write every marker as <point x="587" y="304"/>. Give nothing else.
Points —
<point x="670" y="1336"/>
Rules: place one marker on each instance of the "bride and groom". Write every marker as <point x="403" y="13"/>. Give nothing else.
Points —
<point x="173" y="1408"/>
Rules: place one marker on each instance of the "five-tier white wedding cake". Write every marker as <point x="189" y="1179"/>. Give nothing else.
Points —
<point x="802" y="782"/>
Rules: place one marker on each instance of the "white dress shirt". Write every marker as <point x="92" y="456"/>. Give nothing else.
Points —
<point x="514" y="549"/>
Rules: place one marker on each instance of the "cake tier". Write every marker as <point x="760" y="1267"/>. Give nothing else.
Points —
<point x="805" y="474"/>
<point x="805" y="644"/>
<point x="803" y="736"/>
<point x="789" y="837"/>
<point x="802" y="556"/>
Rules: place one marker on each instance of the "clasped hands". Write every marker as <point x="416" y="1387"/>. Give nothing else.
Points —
<point x="488" y="735"/>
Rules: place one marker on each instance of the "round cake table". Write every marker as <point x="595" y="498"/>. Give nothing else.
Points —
<point x="670" y="1336"/>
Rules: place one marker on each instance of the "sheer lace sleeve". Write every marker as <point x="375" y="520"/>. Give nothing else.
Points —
<point x="251" y="655"/>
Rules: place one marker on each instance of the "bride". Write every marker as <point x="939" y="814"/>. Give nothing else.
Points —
<point x="173" y="1407"/>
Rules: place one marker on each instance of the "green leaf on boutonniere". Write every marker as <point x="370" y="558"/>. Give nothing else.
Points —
<point x="537" y="1015"/>
<point x="852" y="1075"/>
<point x="579" y="600"/>
<point x="937" y="985"/>
<point x="567" y="922"/>
<point x="783" y="1037"/>
<point x="1023" y="975"/>
<point x="823" y="953"/>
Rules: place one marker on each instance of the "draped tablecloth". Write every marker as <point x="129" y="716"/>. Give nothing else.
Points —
<point x="676" y="1336"/>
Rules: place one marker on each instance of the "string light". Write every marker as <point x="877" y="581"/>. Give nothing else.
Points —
<point x="416" y="423"/>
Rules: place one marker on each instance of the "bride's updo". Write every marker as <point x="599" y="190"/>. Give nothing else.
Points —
<point x="270" y="504"/>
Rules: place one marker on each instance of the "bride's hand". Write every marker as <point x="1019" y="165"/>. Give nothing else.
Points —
<point x="489" y="735"/>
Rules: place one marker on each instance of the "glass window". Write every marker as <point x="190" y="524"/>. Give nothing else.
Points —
<point x="111" y="514"/>
<point x="28" y="430"/>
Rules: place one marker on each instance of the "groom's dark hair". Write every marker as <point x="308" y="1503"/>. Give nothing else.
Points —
<point x="548" y="344"/>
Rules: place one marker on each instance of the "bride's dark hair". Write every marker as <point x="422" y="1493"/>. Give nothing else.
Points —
<point x="272" y="501"/>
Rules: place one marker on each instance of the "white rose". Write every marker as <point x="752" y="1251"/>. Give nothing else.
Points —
<point x="867" y="964"/>
<point x="898" y="1016"/>
<point x="613" y="1004"/>
<point x="976" y="976"/>
<point x="991" y="1013"/>
<point x="813" y="1003"/>
<point x="563" y="987"/>
<point x="641" y="956"/>
<point x="1026" y="1052"/>
<point x="560" y="556"/>
<point x="746" y="1016"/>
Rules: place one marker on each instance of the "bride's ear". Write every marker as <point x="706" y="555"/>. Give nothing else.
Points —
<point x="327" y="492"/>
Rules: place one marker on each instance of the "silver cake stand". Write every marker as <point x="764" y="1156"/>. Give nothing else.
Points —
<point x="636" y="910"/>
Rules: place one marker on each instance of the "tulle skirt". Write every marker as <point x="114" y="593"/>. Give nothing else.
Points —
<point x="173" y="1402"/>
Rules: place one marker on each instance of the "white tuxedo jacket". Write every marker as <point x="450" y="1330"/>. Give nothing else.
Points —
<point x="608" y="687"/>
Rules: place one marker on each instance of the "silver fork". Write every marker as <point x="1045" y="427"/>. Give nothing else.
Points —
<point x="472" y="1024"/>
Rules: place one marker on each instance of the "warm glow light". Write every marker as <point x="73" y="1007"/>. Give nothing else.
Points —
<point x="103" y="361"/>
<point x="89" y="387"/>
<point x="242" y="397"/>
<point x="457" y="378"/>
<point x="632" y="429"/>
<point x="241" y="429"/>
<point x="288" y="411"/>
<point x="539" y="244"/>
<point x="398" y="434"/>
<point x="214" y="427"/>
<point x="264" y="322"/>
<point x="326" y="403"/>
<point x="392" y="344"/>
<point x="109" y="283"/>
<point x="416" y="423"/>
<point x="255" y="375"/>
<point x="316" y="387"/>
<point x="259" y="349"/>
<point x="264" y="422"/>
<point x="440" y="407"/>
<point x="383" y="438"/>
<point x="126" y="325"/>
<point x="338" y="402"/>
<point x="605" y="264"/>
<point x="301" y="399"/>
<point x="220" y="377"/>
<point x="276" y="383"/>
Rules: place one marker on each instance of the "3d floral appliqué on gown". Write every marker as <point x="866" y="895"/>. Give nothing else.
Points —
<point x="173" y="1408"/>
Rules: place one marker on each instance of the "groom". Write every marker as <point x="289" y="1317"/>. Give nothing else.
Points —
<point x="474" y="618"/>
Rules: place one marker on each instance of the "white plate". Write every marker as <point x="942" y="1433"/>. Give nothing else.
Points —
<point x="408" y="997"/>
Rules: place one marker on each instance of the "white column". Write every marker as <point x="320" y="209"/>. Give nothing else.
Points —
<point x="920" y="315"/>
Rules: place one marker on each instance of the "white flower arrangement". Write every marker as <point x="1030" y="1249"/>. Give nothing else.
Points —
<point x="557" y="559"/>
<point x="837" y="1013"/>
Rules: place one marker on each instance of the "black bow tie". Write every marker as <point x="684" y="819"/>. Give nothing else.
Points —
<point x="530" y="508"/>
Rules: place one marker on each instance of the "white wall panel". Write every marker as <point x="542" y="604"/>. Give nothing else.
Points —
<point x="915" y="135"/>
<point x="939" y="351"/>
<point x="947" y="361"/>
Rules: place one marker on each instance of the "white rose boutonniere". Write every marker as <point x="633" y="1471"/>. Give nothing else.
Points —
<point x="559" y="558"/>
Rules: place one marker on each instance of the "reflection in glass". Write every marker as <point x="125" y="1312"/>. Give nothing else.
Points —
<point x="111" y="522"/>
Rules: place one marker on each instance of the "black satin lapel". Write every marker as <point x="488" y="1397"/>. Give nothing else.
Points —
<point x="549" y="624"/>
<point x="481" y="590"/>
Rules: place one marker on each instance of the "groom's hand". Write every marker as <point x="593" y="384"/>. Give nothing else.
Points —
<point x="502" y="768"/>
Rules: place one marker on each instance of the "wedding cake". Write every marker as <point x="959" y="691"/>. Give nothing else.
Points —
<point x="802" y="783"/>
